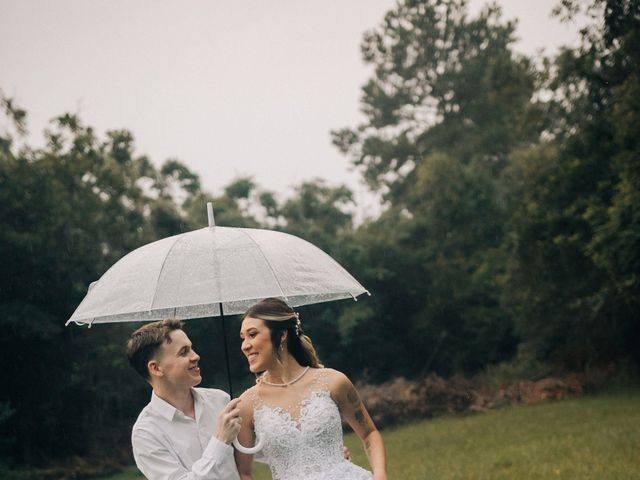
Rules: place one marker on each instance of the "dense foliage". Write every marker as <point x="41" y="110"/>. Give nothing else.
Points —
<point x="511" y="228"/>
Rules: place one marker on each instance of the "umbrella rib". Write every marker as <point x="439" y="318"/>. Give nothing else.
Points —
<point x="164" y="262"/>
<point x="275" y="277"/>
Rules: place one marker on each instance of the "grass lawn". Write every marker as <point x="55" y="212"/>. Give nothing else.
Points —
<point x="592" y="437"/>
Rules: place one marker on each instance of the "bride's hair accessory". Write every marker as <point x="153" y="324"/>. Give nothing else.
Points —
<point x="298" y="324"/>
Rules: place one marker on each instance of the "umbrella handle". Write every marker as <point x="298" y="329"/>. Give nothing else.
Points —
<point x="248" y="450"/>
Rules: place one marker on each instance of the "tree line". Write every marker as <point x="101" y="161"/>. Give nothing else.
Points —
<point x="510" y="233"/>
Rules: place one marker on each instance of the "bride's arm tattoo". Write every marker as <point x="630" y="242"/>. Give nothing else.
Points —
<point x="356" y="403"/>
<point x="367" y="445"/>
<point x="360" y="417"/>
<point x="353" y="397"/>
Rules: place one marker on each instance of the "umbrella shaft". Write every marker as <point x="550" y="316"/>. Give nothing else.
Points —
<point x="226" y="350"/>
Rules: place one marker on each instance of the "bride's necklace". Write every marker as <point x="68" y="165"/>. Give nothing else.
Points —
<point x="285" y="384"/>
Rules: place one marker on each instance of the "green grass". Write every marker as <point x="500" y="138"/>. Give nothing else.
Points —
<point x="130" y="473"/>
<point x="592" y="437"/>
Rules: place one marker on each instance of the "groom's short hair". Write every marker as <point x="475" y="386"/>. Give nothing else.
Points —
<point x="145" y="342"/>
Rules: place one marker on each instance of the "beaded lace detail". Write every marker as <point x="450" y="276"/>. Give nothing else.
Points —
<point x="302" y="434"/>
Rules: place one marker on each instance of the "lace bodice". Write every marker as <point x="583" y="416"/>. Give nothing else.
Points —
<point x="303" y="439"/>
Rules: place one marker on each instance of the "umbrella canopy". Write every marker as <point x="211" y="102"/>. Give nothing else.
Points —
<point x="199" y="273"/>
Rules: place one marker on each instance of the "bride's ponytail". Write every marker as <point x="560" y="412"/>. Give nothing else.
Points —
<point x="301" y="347"/>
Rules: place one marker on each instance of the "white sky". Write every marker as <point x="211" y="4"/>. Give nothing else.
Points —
<point x="228" y="87"/>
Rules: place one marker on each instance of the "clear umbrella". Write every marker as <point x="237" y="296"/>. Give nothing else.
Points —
<point x="212" y="272"/>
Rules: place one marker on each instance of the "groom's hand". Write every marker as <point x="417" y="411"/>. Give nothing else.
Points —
<point x="229" y="422"/>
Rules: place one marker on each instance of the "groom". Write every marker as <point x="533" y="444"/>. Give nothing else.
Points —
<point x="184" y="432"/>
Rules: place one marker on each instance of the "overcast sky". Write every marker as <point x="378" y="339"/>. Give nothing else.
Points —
<point x="229" y="87"/>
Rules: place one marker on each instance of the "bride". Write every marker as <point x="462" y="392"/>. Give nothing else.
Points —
<point x="296" y="407"/>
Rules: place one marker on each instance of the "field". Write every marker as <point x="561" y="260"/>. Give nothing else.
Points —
<point x="592" y="437"/>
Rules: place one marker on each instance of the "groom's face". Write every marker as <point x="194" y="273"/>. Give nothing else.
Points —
<point x="177" y="362"/>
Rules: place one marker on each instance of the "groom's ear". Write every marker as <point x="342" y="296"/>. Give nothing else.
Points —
<point x="154" y="369"/>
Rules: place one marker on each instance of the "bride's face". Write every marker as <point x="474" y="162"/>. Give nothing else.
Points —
<point x="256" y="344"/>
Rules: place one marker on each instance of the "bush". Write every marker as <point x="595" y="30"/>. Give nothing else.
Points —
<point x="400" y="400"/>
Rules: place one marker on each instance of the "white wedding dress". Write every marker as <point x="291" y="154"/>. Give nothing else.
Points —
<point x="302" y="436"/>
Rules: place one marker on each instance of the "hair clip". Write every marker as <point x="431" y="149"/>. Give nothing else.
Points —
<point x="298" y="324"/>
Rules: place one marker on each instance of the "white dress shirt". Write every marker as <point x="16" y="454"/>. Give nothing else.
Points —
<point x="168" y="445"/>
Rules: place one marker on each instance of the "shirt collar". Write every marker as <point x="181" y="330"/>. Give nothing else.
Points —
<point x="168" y="411"/>
<point x="162" y="407"/>
<point x="198" y="403"/>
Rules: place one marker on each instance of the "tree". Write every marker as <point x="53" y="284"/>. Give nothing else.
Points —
<point x="319" y="213"/>
<point x="441" y="82"/>
<point x="68" y="212"/>
<point x="447" y="104"/>
<point x="53" y="201"/>
<point x="576" y="223"/>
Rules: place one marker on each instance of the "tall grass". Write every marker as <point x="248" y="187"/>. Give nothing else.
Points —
<point x="592" y="437"/>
